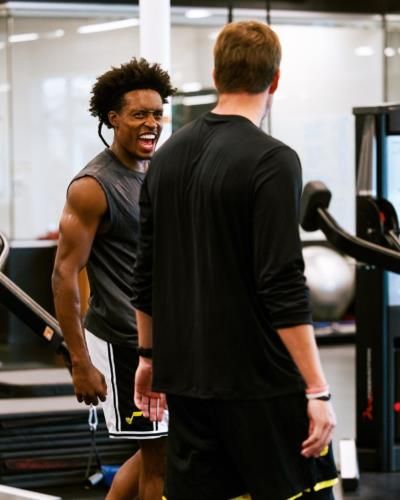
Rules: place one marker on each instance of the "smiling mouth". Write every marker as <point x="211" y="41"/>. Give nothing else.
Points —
<point x="147" y="141"/>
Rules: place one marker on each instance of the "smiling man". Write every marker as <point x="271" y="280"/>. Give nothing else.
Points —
<point x="99" y="230"/>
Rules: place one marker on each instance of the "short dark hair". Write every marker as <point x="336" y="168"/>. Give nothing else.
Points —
<point x="109" y="89"/>
<point x="247" y="55"/>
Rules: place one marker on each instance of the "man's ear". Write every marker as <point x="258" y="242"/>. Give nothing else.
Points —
<point x="113" y="118"/>
<point x="274" y="84"/>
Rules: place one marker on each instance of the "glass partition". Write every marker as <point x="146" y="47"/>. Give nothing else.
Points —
<point x="5" y="174"/>
<point x="392" y="56"/>
<point x="330" y="64"/>
<point x="325" y="72"/>
<point x="54" y="136"/>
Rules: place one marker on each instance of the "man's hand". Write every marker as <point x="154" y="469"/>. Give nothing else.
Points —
<point x="89" y="384"/>
<point x="322" y="421"/>
<point x="152" y="404"/>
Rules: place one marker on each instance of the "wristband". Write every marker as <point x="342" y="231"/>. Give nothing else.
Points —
<point x="322" y="396"/>
<point x="325" y="398"/>
<point x="145" y="352"/>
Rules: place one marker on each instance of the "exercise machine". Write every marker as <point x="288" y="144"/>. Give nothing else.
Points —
<point x="30" y="312"/>
<point x="376" y="246"/>
<point x="44" y="440"/>
<point x="371" y="392"/>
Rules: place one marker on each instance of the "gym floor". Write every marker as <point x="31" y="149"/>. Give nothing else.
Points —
<point x="339" y="365"/>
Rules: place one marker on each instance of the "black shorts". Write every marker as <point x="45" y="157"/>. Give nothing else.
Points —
<point x="118" y="365"/>
<point x="222" y="449"/>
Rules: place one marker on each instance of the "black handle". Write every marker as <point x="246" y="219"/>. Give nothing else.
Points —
<point x="314" y="215"/>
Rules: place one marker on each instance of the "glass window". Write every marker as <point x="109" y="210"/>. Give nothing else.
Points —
<point x="392" y="58"/>
<point x="330" y="64"/>
<point x="54" y="135"/>
<point x="5" y="175"/>
<point x="326" y="71"/>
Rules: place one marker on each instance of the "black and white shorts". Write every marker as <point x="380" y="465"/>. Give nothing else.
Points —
<point x="118" y="365"/>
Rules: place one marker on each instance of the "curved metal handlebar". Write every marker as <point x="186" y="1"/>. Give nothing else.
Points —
<point x="314" y="215"/>
<point x="4" y="250"/>
<point x="30" y="312"/>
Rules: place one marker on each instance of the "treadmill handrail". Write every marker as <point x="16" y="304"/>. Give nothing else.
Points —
<point x="5" y="250"/>
<point x="362" y="250"/>
<point x="16" y="300"/>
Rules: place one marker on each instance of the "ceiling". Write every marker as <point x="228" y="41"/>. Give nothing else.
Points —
<point x="345" y="6"/>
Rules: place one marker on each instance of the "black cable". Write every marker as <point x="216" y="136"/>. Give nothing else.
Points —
<point x="230" y="11"/>
<point x="92" y="479"/>
<point x="101" y="137"/>
<point x="268" y="11"/>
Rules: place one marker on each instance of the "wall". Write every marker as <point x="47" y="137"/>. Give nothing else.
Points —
<point x="53" y="135"/>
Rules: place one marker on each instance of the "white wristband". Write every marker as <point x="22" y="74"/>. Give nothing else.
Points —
<point x="317" y="395"/>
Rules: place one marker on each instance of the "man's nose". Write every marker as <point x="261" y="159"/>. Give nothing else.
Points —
<point x="150" y="121"/>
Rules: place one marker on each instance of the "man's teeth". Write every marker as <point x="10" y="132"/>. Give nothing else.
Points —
<point x="148" y="137"/>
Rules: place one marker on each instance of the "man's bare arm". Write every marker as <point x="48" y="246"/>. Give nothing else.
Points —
<point x="86" y="204"/>
<point x="151" y="403"/>
<point x="300" y="342"/>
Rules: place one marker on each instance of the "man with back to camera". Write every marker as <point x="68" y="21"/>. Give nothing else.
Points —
<point x="220" y="297"/>
<point x="99" y="229"/>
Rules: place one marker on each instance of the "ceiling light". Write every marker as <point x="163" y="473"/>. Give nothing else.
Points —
<point x="364" y="51"/>
<point x="23" y="37"/>
<point x="389" y="52"/>
<point x="54" y="34"/>
<point x="197" y="13"/>
<point x="113" y="25"/>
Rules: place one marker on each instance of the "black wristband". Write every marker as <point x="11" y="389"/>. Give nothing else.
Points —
<point x="145" y="352"/>
<point x="325" y="398"/>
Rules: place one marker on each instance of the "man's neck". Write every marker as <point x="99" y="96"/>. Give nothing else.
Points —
<point x="127" y="160"/>
<point x="251" y="106"/>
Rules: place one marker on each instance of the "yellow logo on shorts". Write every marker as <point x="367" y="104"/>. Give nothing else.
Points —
<point x="324" y="451"/>
<point x="129" y="420"/>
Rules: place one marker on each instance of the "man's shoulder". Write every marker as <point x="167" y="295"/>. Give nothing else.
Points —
<point x="96" y="166"/>
<point x="100" y="161"/>
<point x="274" y="146"/>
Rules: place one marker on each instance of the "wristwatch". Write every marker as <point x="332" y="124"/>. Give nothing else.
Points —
<point x="145" y="352"/>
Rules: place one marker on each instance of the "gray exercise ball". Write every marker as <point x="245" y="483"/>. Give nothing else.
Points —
<point x="331" y="280"/>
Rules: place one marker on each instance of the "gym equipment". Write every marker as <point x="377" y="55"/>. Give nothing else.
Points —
<point x="9" y="493"/>
<point x="45" y="441"/>
<point x="372" y="390"/>
<point x="331" y="281"/>
<point x="29" y="311"/>
<point x="314" y="215"/>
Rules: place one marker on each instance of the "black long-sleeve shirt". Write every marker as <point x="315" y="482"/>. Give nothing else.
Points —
<point x="219" y="263"/>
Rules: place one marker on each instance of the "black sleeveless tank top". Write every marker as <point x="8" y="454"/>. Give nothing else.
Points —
<point x="111" y="315"/>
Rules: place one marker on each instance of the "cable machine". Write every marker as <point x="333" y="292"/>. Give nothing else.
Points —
<point x="377" y="290"/>
<point x="377" y="248"/>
